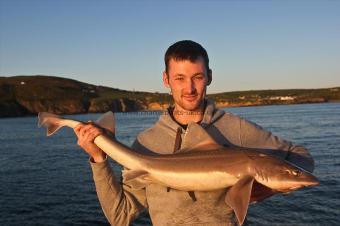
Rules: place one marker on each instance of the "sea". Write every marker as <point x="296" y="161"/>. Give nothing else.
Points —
<point x="48" y="180"/>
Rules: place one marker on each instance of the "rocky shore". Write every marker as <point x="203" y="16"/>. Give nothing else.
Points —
<point x="28" y="95"/>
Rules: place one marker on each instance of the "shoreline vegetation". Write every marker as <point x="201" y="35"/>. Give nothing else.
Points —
<point x="28" y="95"/>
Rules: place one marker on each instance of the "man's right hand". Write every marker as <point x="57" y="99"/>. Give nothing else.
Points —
<point x="86" y="133"/>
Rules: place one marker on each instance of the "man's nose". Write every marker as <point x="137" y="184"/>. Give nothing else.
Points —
<point x="190" y="86"/>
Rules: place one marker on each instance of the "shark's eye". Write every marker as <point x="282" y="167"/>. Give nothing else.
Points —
<point x="296" y="172"/>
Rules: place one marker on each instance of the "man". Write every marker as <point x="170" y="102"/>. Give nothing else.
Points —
<point x="187" y="75"/>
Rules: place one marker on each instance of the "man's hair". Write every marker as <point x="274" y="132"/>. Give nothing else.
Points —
<point x="186" y="50"/>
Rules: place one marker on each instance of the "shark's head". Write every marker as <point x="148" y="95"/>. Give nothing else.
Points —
<point x="282" y="175"/>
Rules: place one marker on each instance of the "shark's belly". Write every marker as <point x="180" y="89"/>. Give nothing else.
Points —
<point x="197" y="181"/>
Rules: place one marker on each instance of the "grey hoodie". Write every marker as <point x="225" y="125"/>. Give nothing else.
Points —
<point x="122" y="203"/>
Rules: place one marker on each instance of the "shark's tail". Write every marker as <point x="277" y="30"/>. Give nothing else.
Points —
<point x="54" y="122"/>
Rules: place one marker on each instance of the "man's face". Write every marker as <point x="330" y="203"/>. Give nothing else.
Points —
<point x="188" y="82"/>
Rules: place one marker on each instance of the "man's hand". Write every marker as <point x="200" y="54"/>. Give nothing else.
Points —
<point x="86" y="133"/>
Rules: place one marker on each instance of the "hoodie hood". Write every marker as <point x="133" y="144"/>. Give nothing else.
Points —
<point x="211" y="115"/>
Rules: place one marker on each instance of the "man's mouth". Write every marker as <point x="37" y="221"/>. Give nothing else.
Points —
<point x="189" y="97"/>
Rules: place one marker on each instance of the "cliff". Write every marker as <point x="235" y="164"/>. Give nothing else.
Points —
<point x="28" y="95"/>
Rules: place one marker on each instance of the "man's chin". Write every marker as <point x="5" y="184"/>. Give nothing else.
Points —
<point x="191" y="105"/>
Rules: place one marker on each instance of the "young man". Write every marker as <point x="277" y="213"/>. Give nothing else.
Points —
<point x="187" y="75"/>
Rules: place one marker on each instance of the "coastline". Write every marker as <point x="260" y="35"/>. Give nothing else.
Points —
<point x="159" y="111"/>
<point x="27" y="95"/>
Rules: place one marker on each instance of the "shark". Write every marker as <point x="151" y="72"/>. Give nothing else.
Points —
<point x="204" y="166"/>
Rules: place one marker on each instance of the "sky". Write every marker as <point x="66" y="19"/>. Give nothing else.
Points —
<point x="252" y="45"/>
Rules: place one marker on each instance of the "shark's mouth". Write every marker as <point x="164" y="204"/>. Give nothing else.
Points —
<point x="290" y="189"/>
<point x="296" y="187"/>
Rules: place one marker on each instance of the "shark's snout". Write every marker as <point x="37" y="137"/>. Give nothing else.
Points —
<point x="313" y="182"/>
<point x="309" y="180"/>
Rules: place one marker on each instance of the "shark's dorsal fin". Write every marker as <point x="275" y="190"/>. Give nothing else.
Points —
<point x="238" y="197"/>
<point x="197" y="139"/>
<point x="107" y="121"/>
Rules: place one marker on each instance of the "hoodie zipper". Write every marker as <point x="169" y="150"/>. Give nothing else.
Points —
<point x="177" y="147"/>
<point x="178" y="140"/>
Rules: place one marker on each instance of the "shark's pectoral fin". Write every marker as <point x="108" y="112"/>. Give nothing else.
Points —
<point x="238" y="197"/>
<point x="260" y="192"/>
<point x="136" y="179"/>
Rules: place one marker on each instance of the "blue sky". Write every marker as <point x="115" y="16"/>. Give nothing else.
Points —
<point x="251" y="44"/>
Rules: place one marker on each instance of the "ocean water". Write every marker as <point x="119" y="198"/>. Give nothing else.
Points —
<point x="48" y="181"/>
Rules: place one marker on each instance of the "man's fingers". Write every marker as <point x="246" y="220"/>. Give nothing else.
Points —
<point x="91" y="133"/>
<point x="78" y="128"/>
<point x="89" y="126"/>
<point x="91" y="136"/>
<point x="87" y="132"/>
<point x="94" y="132"/>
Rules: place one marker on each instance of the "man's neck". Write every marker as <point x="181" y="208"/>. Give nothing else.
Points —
<point x="184" y="117"/>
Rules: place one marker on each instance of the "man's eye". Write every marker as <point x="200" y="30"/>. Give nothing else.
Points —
<point x="179" y="78"/>
<point x="199" y="77"/>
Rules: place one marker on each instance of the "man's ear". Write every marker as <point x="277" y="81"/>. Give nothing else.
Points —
<point x="209" y="77"/>
<point x="166" y="80"/>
